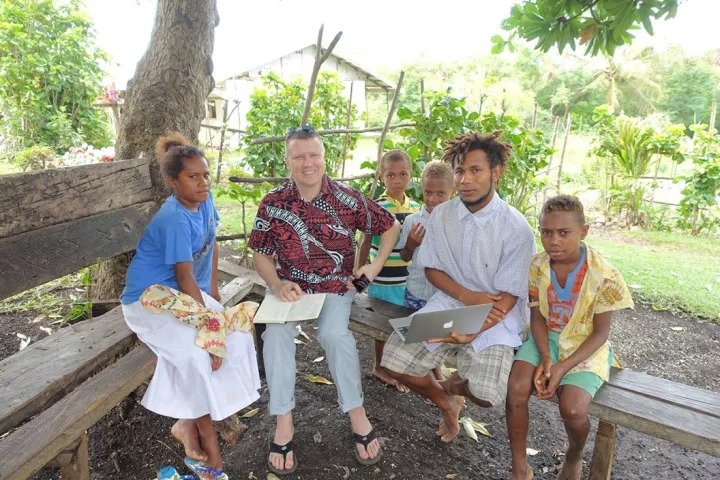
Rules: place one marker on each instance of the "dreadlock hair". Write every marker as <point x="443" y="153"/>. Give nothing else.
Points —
<point x="497" y="152"/>
<point x="437" y="169"/>
<point x="564" y="203"/>
<point x="394" y="155"/>
<point x="171" y="150"/>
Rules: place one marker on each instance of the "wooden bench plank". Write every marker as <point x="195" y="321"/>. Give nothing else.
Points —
<point x="36" y="443"/>
<point x="36" y="257"/>
<point x="657" y="418"/>
<point x="228" y="270"/>
<point x="33" y="200"/>
<point x="694" y="398"/>
<point x="47" y="370"/>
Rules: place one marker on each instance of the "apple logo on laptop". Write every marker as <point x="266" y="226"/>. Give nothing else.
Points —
<point x="448" y="325"/>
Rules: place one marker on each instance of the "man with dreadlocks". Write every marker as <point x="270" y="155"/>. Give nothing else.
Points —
<point x="477" y="250"/>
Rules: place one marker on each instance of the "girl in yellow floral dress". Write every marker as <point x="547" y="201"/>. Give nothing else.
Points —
<point x="573" y="292"/>
<point x="206" y="368"/>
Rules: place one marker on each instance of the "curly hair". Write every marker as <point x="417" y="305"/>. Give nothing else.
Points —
<point x="437" y="169"/>
<point x="455" y="150"/>
<point x="171" y="150"/>
<point x="395" y="155"/>
<point x="564" y="203"/>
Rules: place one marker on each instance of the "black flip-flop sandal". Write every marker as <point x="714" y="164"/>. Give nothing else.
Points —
<point x="282" y="450"/>
<point x="366" y="440"/>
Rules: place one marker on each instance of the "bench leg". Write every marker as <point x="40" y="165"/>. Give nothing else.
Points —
<point x="604" y="452"/>
<point x="74" y="462"/>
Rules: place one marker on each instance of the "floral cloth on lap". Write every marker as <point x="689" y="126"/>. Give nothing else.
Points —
<point x="213" y="327"/>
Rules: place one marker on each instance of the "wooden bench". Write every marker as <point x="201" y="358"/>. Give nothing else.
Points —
<point x="681" y="414"/>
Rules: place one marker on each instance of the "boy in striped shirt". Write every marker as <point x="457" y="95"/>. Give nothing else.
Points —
<point x="389" y="285"/>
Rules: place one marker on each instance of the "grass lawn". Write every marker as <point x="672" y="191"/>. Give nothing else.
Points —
<point x="672" y="272"/>
<point x="7" y="167"/>
<point x="231" y="215"/>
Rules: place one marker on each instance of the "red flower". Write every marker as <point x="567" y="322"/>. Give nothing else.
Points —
<point x="214" y="325"/>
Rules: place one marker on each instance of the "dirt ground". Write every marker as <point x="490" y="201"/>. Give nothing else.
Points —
<point x="138" y="442"/>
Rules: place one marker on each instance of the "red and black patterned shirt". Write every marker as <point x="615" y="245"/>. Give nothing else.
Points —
<point x="314" y="241"/>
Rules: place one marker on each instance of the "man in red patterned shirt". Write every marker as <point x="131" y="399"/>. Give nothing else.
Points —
<point x="304" y="242"/>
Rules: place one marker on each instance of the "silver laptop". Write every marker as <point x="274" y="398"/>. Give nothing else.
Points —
<point x="421" y="327"/>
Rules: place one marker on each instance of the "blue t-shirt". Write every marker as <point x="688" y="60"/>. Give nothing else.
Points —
<point x="174" y="235"/>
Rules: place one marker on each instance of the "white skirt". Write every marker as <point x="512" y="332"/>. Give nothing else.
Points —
<point x="184" y="385"/>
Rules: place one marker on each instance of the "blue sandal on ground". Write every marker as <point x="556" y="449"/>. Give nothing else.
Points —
<point x="366" y="440"/>
<point x="199" y="469"/>
<point x="283" y="450"/>
<point x="169" y="473"/>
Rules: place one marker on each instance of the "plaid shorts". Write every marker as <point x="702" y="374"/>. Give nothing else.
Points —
<point x="487" y="371"/>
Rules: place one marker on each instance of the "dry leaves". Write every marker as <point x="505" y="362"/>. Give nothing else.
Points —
<point x="451" y="475"/>
<point x="24" y="340"/>
<point x="319" y="379"/>
<point x="471" y="426"/>
<point x="317" y="437"/>
<point x="677" y="329"/>
<point x="318" y="359"/>
<point x="300" y="331"/>
<point x="46" y="330"/>
<point x="272" y="476"/>
<point x="251" y="413"/>
<point x="531" y="451"/>
<point x="299" y="342"/>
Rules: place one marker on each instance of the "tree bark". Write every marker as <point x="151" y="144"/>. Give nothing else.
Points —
<point x="168" y="93"/>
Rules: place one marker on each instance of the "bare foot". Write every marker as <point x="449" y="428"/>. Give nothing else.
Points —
<point x="570" y="470"/>
<point x="450" y="427"/>
<point x="284" y="432"/>
<point x="382" y="374"/>
<point x="186" y="432"/>
<point x="521" y="473"/>
<point x="361" y="425"/>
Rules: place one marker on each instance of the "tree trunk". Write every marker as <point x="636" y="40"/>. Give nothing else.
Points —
<point x="168" y="93"/>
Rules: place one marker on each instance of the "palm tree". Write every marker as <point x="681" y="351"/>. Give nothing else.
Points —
<point x="628" y="72"/>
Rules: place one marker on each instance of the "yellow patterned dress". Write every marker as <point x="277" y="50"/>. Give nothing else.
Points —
<point x="182" y="333"/>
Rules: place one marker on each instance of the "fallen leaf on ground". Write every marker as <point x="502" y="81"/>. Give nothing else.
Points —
<point x="272" y="476"/>
<point x="46" y="330"/>
<point x="531" y="451"/>
<point x="319" y="379"/>
<point x="24" y="340"/>
<point x="299" y="342"/>
<point x="447" y="371"/>
<point x="451" y="475"/>
<point x="318" y="359"/>
<point x="677" y="329"/>
<point x="300" y="331"/>
<point x="317" y="437"/>
<point x="251" y="413"/>
<point x="656" y="308"/>
<point x="39" y="318"/>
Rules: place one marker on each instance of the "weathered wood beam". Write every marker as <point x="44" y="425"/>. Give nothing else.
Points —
<point x="33" y="200"/>
<point x="36" y="257"/>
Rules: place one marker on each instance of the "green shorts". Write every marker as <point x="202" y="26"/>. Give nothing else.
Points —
<point x="588" y="381"/>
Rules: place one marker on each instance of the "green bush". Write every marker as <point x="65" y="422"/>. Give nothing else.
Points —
<point x="34" y="158"/>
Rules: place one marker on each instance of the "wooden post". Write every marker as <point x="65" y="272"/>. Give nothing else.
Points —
<point x="713" y="113"/>
<point x="116" y="118"/>
<point x="562" y="154"/>
<point x="534" y="120"/>
<point x="347" y="125"/>
<point x="367" y="107"/>
<point x="222" y="140"/>
<point x="381" y="144"/>
<point x="604" y="452"/>
<point x="426" y="150"/>
<point x="74" y="462"/>
<point x="319" y="59"/>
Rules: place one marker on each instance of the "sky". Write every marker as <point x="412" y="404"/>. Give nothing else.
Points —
<point x="377" y="34"/>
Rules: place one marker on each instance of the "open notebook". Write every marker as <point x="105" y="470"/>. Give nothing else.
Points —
<point x="274" y="310"/>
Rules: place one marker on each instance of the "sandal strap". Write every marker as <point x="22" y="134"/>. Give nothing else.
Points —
<point x="216" y="473"/>
<point x="365" y="440"/>
<point x="281" y="449"/>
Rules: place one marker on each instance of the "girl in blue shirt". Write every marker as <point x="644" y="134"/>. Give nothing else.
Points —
<point x="178" y="250"/>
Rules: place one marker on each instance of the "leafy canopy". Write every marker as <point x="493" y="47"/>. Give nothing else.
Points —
<point x="50" y="75"/>
<point x="600" y="25"/>
<point x="278" y="106"/>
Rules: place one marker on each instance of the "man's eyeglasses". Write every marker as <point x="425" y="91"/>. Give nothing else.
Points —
<point x="304" y="128"/>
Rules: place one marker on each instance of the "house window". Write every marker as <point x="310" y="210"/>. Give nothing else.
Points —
<point x="211" y="110"/>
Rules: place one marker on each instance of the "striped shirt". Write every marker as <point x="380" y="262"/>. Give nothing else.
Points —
<point x="395" y="269"/>
<point x="487" y="251"/>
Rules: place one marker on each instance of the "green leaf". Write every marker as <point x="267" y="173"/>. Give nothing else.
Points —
<point x="497" y="48"/>
<point x="496" y="39"/>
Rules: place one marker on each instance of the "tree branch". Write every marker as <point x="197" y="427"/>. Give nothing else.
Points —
<point x="381" y="143"/>
<point x="319" y="59"/>
<point x="334" y="131"/>
<point x="285" y="179"/>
